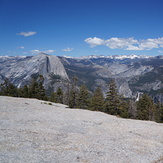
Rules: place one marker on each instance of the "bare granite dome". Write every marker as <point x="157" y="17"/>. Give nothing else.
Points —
<point x="33" y="131"/>
<point x="20" y="70"/>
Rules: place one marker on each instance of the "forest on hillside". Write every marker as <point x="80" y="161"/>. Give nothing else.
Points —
<point x="80" y="97"/>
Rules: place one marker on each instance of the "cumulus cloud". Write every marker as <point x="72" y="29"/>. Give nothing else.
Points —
<point x="132" y="47"/>
<point x="94" y="41"/>
<point x="39" y="51"/>
<point x="26" y="34"/>
<point x="126" y="43"/>
<point x="148" y="44"/>
<point x="67" y="49"/>
<point x="120" y="43"/>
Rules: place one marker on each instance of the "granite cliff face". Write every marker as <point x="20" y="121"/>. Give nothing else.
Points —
<point x="20" y="70"/>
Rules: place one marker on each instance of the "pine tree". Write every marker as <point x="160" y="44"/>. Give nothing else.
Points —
<point x="36" y="88"/>
<point x="72" y="99"/>
<point x="8" y="89"/>
<point x="41" y="90"/>
<point x="97" y="100"/>
<point x="66" y="93"/>
<point x="82" y="99"/>
<point x="33" y="88"/>
<point x="159" y="112"/>
<point x="123" y="107"/>
<point x="59" y="96"/>
<point x="73" y="94"/>
<point x="132" y="109"/>
<point x="24" y="92"/>
<point x="112" y="101"/>
<point x="53" y="97"/>
<point x="146" y="108"/>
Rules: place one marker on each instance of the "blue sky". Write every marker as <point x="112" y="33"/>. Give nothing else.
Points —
<point x="81" y="27"/>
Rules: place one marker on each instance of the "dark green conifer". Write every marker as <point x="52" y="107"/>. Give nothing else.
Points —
<point x="83" y="98"/>
<point x="123" y="107"/>
<point x="145" y="108"/>
<point x="132" y="109"/>
<point x="159" y="112"/>
<point x="72" y="99"/>
<point x="8" y="89"/>
<point x="53" y="97"/>
<point x="25" y="91"/>
<point x="97" y="100"/>
<point x="59" y="96"/>
<point x="36" y="88"/>
<point x="33" y="88"/>
<point x="73" y="94"/>
<point x="112" y="101"/>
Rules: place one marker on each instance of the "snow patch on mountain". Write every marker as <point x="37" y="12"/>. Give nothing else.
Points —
<point x="121" y="57"/>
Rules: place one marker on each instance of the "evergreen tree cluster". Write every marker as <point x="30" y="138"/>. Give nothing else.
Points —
<point x="34" y="90"/>
<point x="148" y="110"/>
<point x="75" y="97"/>
<point x="8" y="89"/>
<point x="57" y="96"/>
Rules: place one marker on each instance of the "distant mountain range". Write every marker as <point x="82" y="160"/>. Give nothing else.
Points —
<point x="132" y="56"/>
<point x="133" y="73"/>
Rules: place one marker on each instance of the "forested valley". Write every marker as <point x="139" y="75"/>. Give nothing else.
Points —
<point x="80" y="97"/>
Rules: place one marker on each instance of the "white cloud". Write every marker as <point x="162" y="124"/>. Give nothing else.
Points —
<point x="35" y="51"/>
<point x="39" y="51"/>
<point x="160" y="51"/>
<point x="158" y="41"/>
<point x="49" y="51"/>
<point x="26" y="34"/>
<point x="67" y="49"/>
<point x="120" y="43"/>
<point x="132" y="47"/>
<point x="126" y="43"/>
<point x="21" y="47"/>
<point x="148" y="44"/>
<point x="94" y="41"/>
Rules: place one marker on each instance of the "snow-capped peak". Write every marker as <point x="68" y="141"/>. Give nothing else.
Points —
<point x="132" y="56"/>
